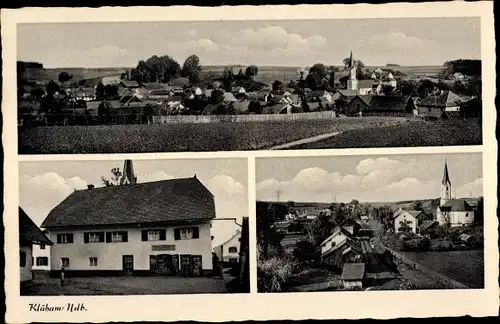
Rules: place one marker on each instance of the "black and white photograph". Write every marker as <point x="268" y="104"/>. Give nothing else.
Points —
<point x="395" y="222"/>
<point x="129" y="227"/>
<point x="238" y="85"/>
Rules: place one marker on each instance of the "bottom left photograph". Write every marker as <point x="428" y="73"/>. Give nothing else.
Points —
<point x="134" y="227"/>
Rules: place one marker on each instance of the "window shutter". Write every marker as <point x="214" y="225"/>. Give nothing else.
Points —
<point x="177" y="234"/>
<point x="85" y="237"/>
<point x="108" y="237"/>
<point x="125" y="236"/>
<point x="196" y="232"/>
<point x="163" y="235"/>
<point x="58" y="238"/>
<point x="70" y="238"/>
<point x="144" y="235"/>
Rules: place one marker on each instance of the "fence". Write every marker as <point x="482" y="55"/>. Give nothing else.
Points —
<point x="242" y="118"/>
<point x="387" y="114"/>
<point x="434" y="274"/>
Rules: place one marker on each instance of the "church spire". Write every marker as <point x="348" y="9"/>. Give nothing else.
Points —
<point x="446" y="176"/>
<point x="128" y="176"/>
<point x="351" y="61"/>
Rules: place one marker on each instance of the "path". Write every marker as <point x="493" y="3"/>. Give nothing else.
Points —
<point x="304" y="141"/>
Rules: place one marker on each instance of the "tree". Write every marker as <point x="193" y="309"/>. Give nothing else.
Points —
<point x="267" y="235"/>
<point x="331" y="80"/>
<point x="64" y="77"/>
<point x="240" y="74"/>
<point x="99" y="91"/>
<point x="313" y="81"/>
<point x="425" y="88"/>
<point x="156" y="69"/>
<point x="217" y="97"/>
<point x="37" y="93"/>
<point x="305" y="252"/>
<point x="116" y="176"/>
<point x="319" y="69"/>
<point x="251" y="71"/>
<point x="227" y="78"/>
<point x="359" y="65"/>
<point x="52" y="88"/>
<point x="417" y="205"/>
<point x="278" y="85"/>
<point x="191" y="69"/>
<point x="110" y="90"/>
<point x="387" y="89"/>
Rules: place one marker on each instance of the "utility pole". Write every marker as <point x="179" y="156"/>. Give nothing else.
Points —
<point x="278" y="193"/>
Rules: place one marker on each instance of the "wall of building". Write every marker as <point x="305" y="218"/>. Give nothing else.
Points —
<point x="405" y="218"/>
<point x="26" y="270"/>
<point x="234" y="242"/>
<point x="39" y="252"/>
<point x="110" y="255"/>
<point x="335" y="240"/>
<point x="455" y="218"/>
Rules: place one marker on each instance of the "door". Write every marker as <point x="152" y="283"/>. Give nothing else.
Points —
<point x="128" y="265"/>
<point x="175" y="263"/>
<point x="153" y="264"/>
<point x="186" y="268"/>
<point x="197" y="265"/>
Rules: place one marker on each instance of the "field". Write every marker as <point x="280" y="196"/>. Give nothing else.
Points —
<point x="185" y="137"/>
<point x="418" y="133"/>
<point x="463" y="266"/>
<point x="77" y="73"/>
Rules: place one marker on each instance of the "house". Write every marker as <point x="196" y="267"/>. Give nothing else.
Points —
<point x="364" y="218"/>
<point x="472" y="108"/>
<point x="179" y="83"/>
<point x="229" y="97"/>
<point x="161" y="227"/>
<point x="41" y="257"/>
<point x="86" y="94"/>
<point x="365" y="87"/>
<point x="353" y="275"/>
<point x="228" y="252"/>
<point x="426" y="226"/>
<point x="346" y="251"/>
<point x="29" y="235"/>
<point x="276" y="109"/>
<point x="388" y="105"/>
<point x="159" y="94"/>
<point x="320" y="95"/>
<point x="410" y="218"/>
<point x="339" y="235"/>
<point x="111" y="79"/>
<point x="356" y="105"/>
<point x="238" y="90"/>
<point x="241" y="107"/>
<point x="438" y="103"/>
<point x="454" y="212"/>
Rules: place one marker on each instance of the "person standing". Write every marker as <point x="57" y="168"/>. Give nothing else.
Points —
<point x="62" y="276"/>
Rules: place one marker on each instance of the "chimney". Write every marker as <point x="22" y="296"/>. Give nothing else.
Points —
<point x="90" y="186"/>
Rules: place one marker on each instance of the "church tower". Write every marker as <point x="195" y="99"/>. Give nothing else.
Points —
<point x="128" y="176"/>
<point x="352" y="82"/>
<point x="445" y="186"/>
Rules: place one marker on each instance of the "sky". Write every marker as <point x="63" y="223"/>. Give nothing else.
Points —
<point x="403" y="41"/>
<point x="43" y="185"/>
<point x="367" y="178"/>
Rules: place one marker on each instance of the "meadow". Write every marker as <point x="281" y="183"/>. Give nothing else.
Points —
<point x="463" y="266"/>
<point x="223" y="136"/>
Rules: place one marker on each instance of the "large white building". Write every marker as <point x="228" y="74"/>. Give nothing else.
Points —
<point x="161" y="227"/>
<point x="454" y="212"/>
<point x="229" y="251"/>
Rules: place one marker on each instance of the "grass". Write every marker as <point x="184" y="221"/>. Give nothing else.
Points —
<point x="413" y="134"/>
<point x="187" y="137"/>
<point x="274" y="274"/>
<point x="466" y="267"/>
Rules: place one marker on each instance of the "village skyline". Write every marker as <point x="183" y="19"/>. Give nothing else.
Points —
<point x="43" y="185"/>
<point x="367" y="179"/>
<point x="376" y="42"/>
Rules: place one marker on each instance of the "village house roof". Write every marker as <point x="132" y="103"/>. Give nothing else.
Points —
<point x="279" y="108"/>
<point x="241" y="107"/>
<point x="353" y="271"/>
<point x="159" y="92"/>
<point x="210" y="109"/>
<point x="179" y="82"/>
<point x="347" y="93"/>
<point x="129" y="84"/>
<point x="176" y="200"/>
<point x="443" y="98"/>
<point x="229" y="97"/>
<point x="238" y="233"/>
<point x="456" y="205"/>
<point x="365" y="84"/>
<point x="29" y="233"/>
<point x="415" y="213"/>
<point x="387" y="103"/>
<point x="426" y="225"/>
<point x="155" y="85"/>
<point x="378" y="271"/>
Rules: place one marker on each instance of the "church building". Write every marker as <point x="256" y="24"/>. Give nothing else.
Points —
<point x="455" y="212"/>
<point x="361" y="87"/>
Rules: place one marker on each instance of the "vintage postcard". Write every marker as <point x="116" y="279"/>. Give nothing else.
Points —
<point x="209" y="163"/>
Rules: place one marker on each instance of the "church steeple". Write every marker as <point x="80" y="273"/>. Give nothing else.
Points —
<point x="128" y="176"/>
<point x="352" y="82"/>
<point x="445" y="185"/>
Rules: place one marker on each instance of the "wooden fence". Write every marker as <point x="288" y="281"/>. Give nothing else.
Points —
<point x="242" y="118"/>
<point x="433" y="274"/>
<point x="387" y="114"/>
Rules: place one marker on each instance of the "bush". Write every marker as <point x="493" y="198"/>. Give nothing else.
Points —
<point x="273" y="274"/>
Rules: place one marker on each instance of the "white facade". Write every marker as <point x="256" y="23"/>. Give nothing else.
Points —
<point x="333" y="240"/>
<point x="405" y="218"/>
<point x="109" y="255"/>
<point x="455" y="218"/>
<point x="41" y="257"/>
<point x="26" y="263"/>
<point x="230" y="249"/>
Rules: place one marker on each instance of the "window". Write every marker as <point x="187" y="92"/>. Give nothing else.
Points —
<point x="42" y="246"/>
<point x="233" y="249"/>
<point x="93" y="237"/>
<point x="154" y="235"/>
<point x="117" y="237"/>
<point x="64" y="238"/>
<point x="93" y="262"/>
<point x="42" y="261"/>
<point x="65" y="262"/>
<point x="186" y="233"/>
<point x="466" y="215"/>
<point x="22" y="259"/>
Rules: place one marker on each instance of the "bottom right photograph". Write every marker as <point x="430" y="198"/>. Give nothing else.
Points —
<point x="370" y="222"/>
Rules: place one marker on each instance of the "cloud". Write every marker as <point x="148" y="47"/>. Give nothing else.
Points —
<point x="380" y="179"/>
<point x="41" y="193"/>
<point x="470" y="189"/>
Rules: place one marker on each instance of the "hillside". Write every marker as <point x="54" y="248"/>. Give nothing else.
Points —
<point x="43" y="74"/>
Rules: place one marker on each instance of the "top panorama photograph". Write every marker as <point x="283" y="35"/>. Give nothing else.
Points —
<point x="194" y="86"/>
